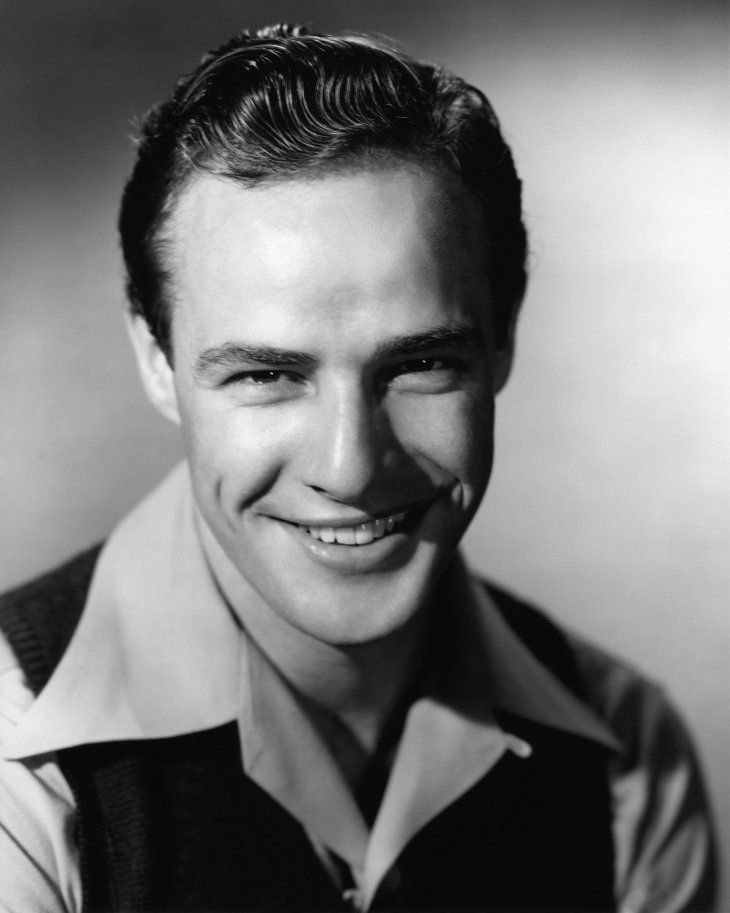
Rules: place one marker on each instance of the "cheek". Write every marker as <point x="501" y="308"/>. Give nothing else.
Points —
<point x="453" y="434"/>
<point x="232" y="460"/>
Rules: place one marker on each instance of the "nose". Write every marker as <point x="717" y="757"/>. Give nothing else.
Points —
<point x="349" y="445"/>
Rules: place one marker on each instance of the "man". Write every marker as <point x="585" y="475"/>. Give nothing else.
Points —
<point x="276" y="686"/>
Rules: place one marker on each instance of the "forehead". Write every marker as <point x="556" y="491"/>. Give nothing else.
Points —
<point x="385" y="244"/>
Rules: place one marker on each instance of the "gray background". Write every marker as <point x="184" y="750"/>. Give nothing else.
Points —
<point x="610" y="502"/>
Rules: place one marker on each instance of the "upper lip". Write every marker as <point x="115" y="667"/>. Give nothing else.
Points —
<point x="357" y="519"/>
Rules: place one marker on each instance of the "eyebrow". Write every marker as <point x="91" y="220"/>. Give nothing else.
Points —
<point x="234" y="354"/>
<point x="231" y="355"/>
<point x="452" y="336"/>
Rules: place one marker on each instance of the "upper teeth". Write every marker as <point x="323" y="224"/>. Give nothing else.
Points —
<point x="360" y="534"/>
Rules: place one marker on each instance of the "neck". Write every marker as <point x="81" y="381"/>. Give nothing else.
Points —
<point x="360" y="685"/>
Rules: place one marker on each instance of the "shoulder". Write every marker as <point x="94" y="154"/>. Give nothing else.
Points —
<point x="37" y="813"/>
<point x="663" y="827"/>
<point x="635" y="707"/>
<point x="638" y="709"/>
<point x="663" y="830"/>
<point x="38" y="618"/>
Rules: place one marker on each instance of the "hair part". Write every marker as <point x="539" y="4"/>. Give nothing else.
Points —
<point x="282" y="104"/>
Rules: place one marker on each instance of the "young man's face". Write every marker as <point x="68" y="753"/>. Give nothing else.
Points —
<point x="334" y="375"/>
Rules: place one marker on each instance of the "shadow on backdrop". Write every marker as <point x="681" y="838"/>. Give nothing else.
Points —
<point x="609" y="497"/>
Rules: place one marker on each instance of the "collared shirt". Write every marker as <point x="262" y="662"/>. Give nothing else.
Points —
<point x="155" y="585"/>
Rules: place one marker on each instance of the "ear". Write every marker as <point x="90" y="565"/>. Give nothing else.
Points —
<point x="157" y="375"/>
<point x="502" y="368"/>
<point x="503" y="365"/>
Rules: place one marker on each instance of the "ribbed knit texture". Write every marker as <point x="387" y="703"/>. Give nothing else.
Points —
<point x="39" y="617"/>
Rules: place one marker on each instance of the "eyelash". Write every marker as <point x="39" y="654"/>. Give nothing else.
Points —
<point x="265" y="377"/>
<point x="261" y="377"/>
<point x="446" y="362"/>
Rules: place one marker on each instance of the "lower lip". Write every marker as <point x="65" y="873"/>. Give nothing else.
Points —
<point x="386" y="553"/>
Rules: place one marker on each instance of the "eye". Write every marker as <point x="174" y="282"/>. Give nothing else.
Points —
<point x="267" y="385"/>
<point x="256" y="378"/>
<point x="422" y="364"/>
<point x="432" y="374"/>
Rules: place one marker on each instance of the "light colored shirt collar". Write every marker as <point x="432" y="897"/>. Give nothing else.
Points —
<point x="156" y="650"/>
<point x="158" y="653"/>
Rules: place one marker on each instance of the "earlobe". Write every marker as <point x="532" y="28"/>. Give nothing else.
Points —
<point x="157" y="375"/>
<point x="502" y="367"/>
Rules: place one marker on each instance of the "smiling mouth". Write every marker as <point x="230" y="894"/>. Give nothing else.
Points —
<point x="359" y="534"/>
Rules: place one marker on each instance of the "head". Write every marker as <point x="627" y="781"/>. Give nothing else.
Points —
<point x="325" y="258"/>
<point x="285" y="105"/>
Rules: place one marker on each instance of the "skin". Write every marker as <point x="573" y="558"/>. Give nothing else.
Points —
<point x="333" y="363"/>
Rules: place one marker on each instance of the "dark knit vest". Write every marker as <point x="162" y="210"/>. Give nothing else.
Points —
<point x="175" y="825"/>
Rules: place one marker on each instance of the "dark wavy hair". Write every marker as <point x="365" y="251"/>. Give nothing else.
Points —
<point x="283" y="102"/>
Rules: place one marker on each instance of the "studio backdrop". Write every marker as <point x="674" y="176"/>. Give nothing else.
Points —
<point x="610" y="500"/>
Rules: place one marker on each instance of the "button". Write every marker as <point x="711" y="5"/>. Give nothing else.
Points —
<point x="518" y="746"/>
<point x="354" y="897"/>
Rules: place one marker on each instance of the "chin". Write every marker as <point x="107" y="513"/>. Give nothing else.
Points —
<point x="360" y="611"/>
